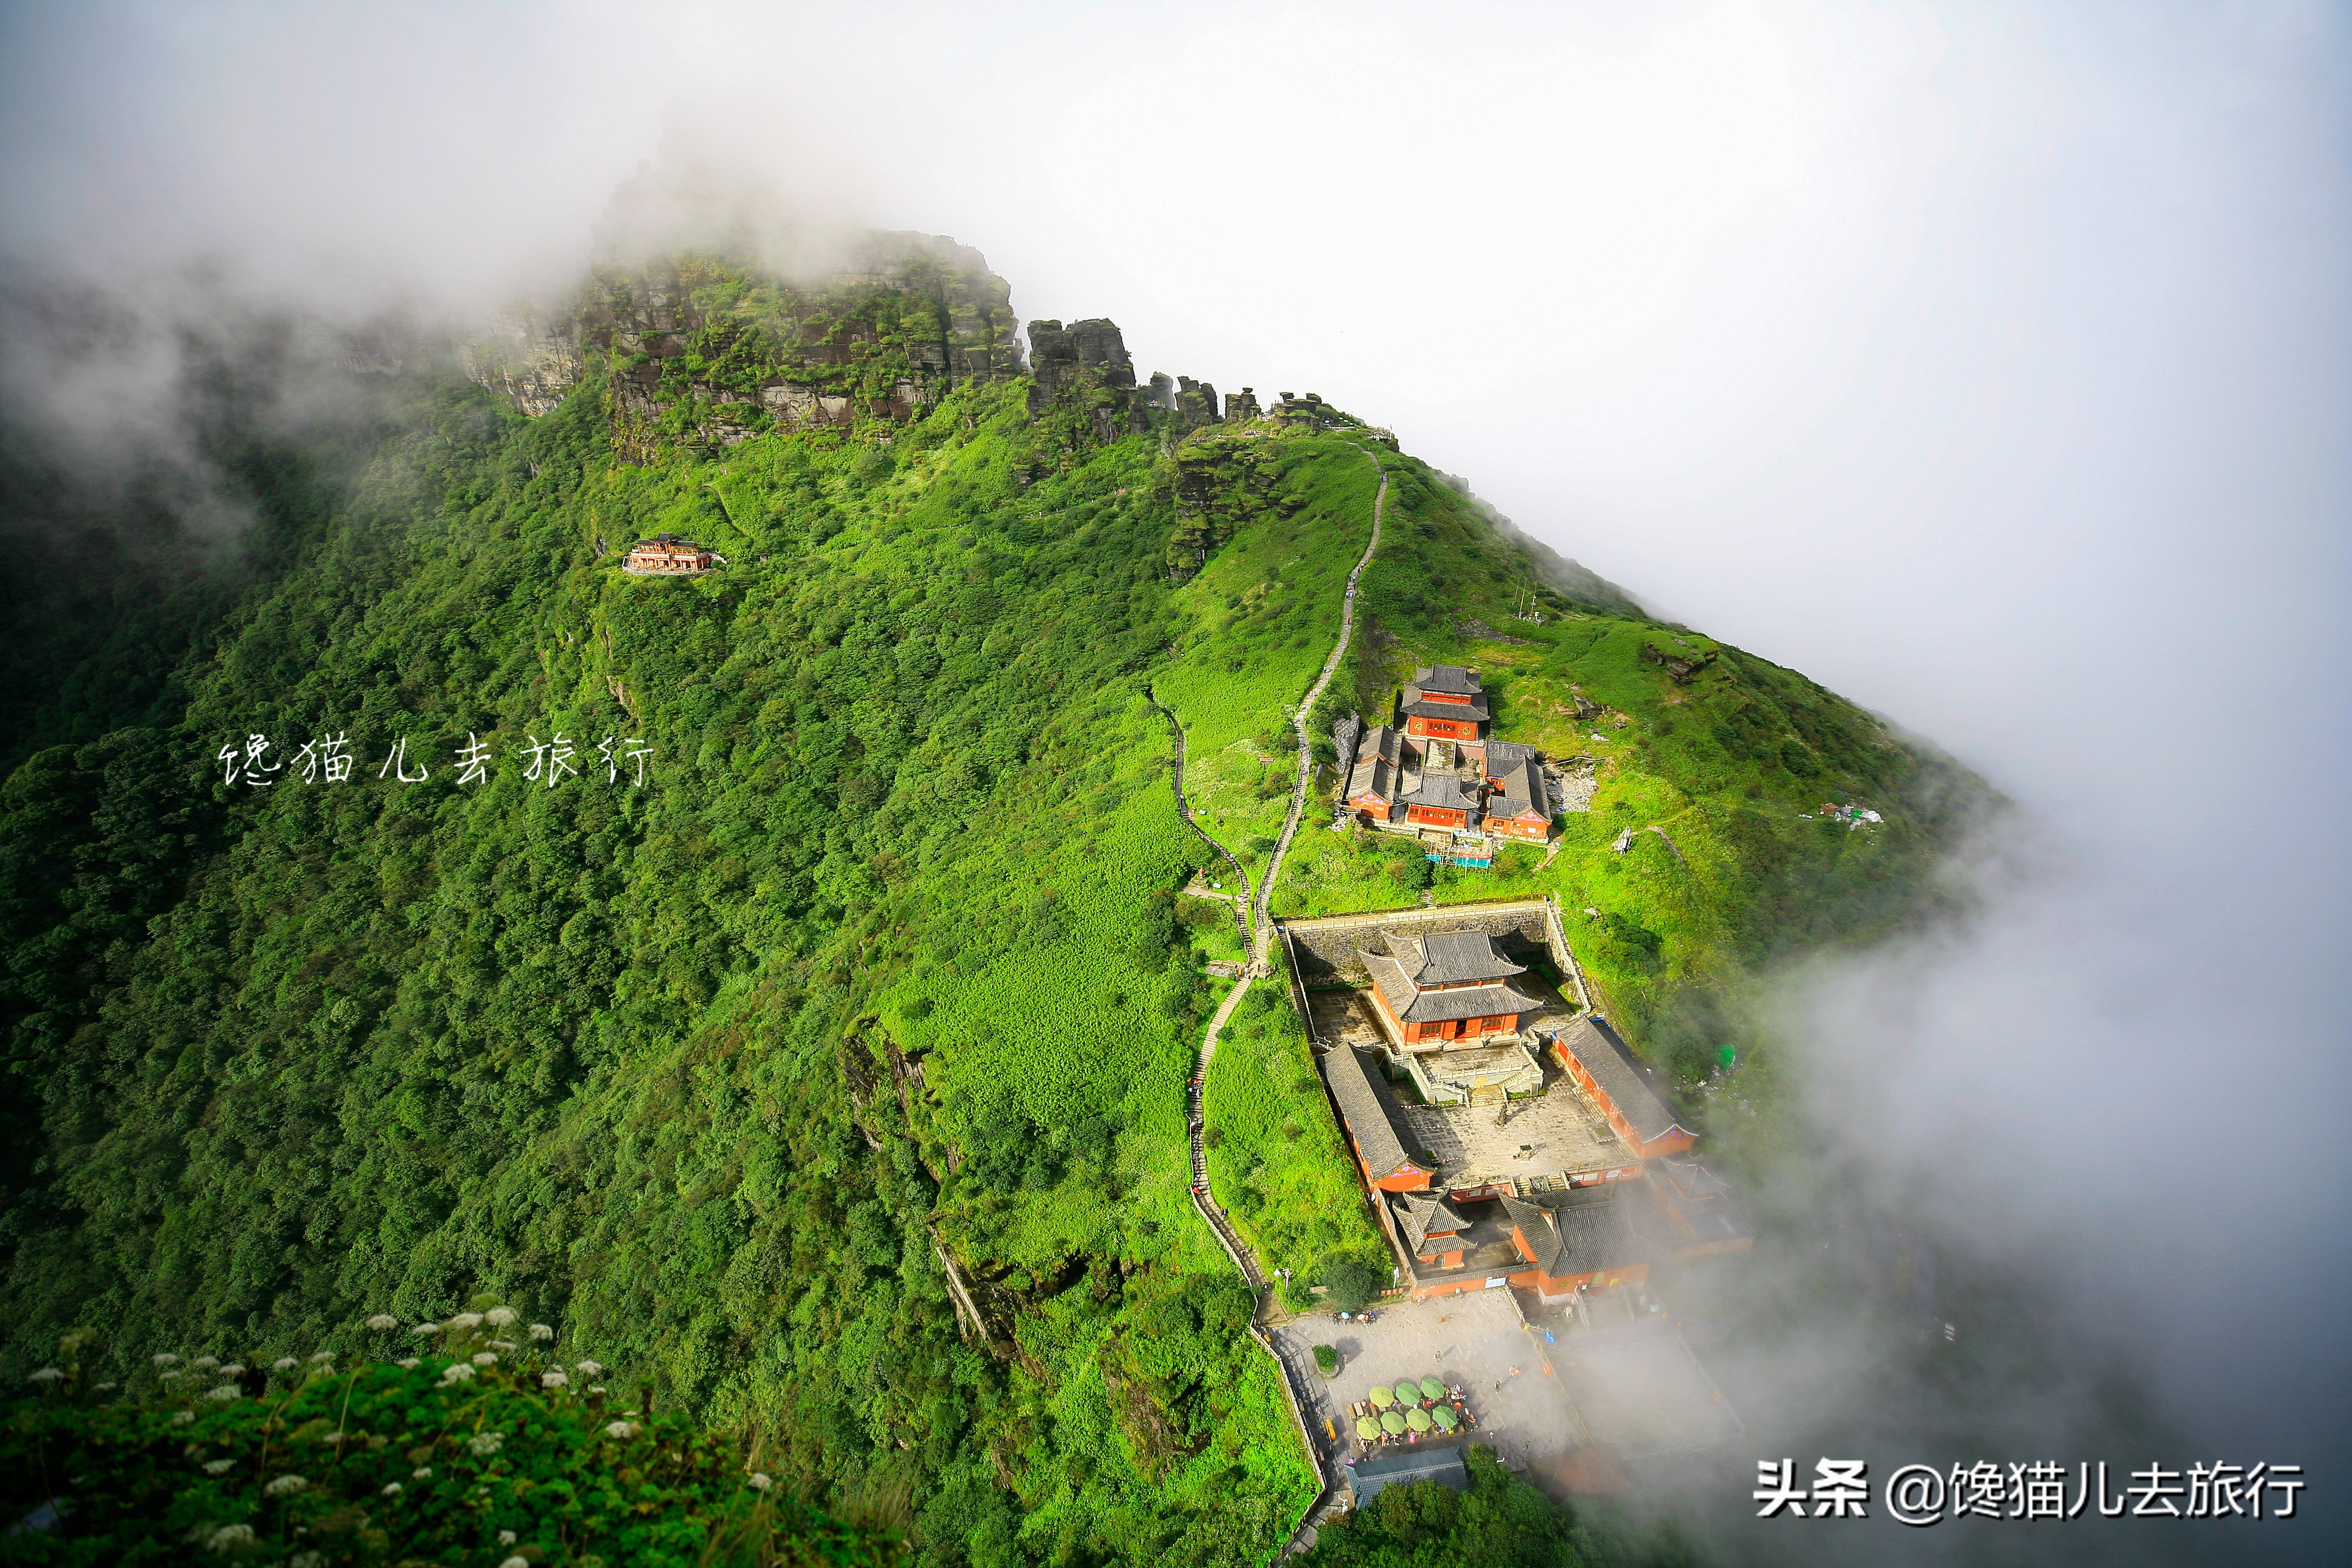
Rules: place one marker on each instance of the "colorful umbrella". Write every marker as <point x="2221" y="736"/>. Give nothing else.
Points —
<point x="1418" y="1419"/>
<point x="1391" y="1423"/>
<point x="1381" y="1396"/>
<point x="1367" y="1428"/>
<point x="1432" y="1389"/>
<point x="1445" y="1418"/>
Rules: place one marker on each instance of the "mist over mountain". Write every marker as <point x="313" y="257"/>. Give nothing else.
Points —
<point x="1988" y="374"/>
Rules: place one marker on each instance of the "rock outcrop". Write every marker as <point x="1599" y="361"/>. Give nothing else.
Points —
<point x="1083" y="354"/>
<point x="1682" y="669"/>
<point x="528" y="358"/>
<point x="707" y="352"/>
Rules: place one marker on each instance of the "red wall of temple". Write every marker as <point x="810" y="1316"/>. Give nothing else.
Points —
<point x="1405" y="1181"/>
<point x="1436" y="817"/>
<point x="1443" y="729"/>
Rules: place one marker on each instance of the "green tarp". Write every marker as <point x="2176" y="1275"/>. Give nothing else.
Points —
<point x="1418" y="1419"/>
<point x="1381" y="1396"/>
<point x="1432" y="1389"/>
<point x="1391" y="1423"/>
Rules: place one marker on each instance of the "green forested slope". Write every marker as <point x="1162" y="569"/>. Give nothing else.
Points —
<point x="889" y="957"/>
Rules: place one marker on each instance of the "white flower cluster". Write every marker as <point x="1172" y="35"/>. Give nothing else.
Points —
<point x="486" y="1358"/>
<point x="219" y="1467"/>
<point x="408" y="1363"/>
<point x="761" y="1483"/>
<point x="625" y="1430"/>
<point x="224" y="1393"/>
<point x="517" y="1561"/>
<point x="285" y="1485"/>
<point x="590" y="1369"/>
<point x="165" y="1358"/>
<point x="204" y="1363"/>
<point x="541" y="1332"/>
<point x="306" y="1560"/>
<point x="482" y="1444"/>
<point x="466" y="1322"/>
<point x="456" y="1371"/>
<point x="499" y="1317"/>
<point x="420" y="1473"/>
<point x="320" y="1358"/>
<point x="383" y="1323"/>
<point x="229" y="1535"/>
<point x="284" y="1364"/>
<point x="552" y="1380"/>
<point x="47" y="1375"/>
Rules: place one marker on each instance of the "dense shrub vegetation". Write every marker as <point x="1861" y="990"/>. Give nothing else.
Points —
<point x="886" y="960"/>
<point x="490" y="1453"/>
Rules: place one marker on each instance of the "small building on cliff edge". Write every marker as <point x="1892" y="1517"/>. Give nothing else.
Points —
<point x="667" y="555"/>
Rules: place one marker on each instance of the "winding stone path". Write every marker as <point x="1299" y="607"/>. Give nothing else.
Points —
<point x="1184" y="810"/>
<point x="1260" y="938"/>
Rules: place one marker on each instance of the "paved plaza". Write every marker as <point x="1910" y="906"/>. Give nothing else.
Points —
<point x="1472" y="1340"/>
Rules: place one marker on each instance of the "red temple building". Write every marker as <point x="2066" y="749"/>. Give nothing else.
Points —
<point x="1444" y="987"/>
<point x="1623" y="1087"/>
<point x="1520" y="804"/>
<point x="1377" y="777"/>
<point x="1440" y="778"/>
<point x="1445" y="703"/>
<point x="1372" y="1130"/>
<point x="1430" y="1230"/>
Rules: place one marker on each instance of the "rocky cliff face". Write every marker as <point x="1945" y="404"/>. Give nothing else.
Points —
<point x="705" y="351"/>
<point x="1090" y="352"/>
<point x="526" y="357"/>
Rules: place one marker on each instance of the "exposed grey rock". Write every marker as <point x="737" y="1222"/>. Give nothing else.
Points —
<point x="1084" y="353"/>
<point x="531" y="359"/>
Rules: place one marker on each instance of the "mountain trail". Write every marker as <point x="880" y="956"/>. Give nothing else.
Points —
<point x="1261" y="943"/>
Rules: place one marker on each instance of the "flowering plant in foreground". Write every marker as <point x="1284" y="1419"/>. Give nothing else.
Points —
<point x="379" y="1463"/>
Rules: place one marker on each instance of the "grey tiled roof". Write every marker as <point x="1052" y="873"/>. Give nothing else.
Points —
<point x="1363" y="1108"/>
<point x="1444" y="791"/>
<point x="1628" y="1084"/>
<point x="1416" y="1007"/>
<point x="1378" y="768"/>
<point x="1523" y="789"/>
<point x="1415" y="706"/>
<point x="1427" y="1462"/>
<point x="1385" y="741"/>
<point x="1586" y="1229"/>
<point x="1448" y="957"/>
<point x="1451" y="678"/>
<point x="1418" y="1216"/>
<point x="1501" y="755"/>
<point x="1375" y="777"/>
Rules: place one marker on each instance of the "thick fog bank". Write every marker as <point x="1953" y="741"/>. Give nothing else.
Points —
<point x="1990" y="368"/>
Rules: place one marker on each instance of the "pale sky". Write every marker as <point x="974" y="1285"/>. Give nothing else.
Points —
<point x="1987" y="364"/>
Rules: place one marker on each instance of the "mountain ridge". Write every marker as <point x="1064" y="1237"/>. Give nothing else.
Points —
<point x="893" y="960"/>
